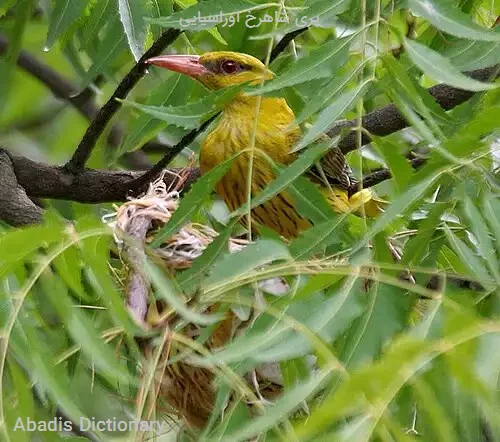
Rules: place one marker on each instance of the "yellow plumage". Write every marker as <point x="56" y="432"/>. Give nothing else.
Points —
<point x="272" y="134"/>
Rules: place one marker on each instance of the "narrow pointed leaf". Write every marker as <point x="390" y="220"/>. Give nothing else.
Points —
<point x="251" y="257"/>
<point x="468" y="258"/>
<point x="201" y="267"/>
<point x="64" y="13"/>
<point x="280" y="410"/>
<point x="188" y="116"/>
<point x="398" y="208"/>
<point x="468" y="55"/>
<point x="327" y="117"/>
<point x="321" y="63"/>
<point x="112" y="44"/>
<point x="167" y="292"/>
<point x="440" y="68"/>
<point x="132" y="15"/>
<point x="172" y="92"/>
<point x="481" y="232"/>
<point x="328" y="93"/>
<point x="446" y="16"/>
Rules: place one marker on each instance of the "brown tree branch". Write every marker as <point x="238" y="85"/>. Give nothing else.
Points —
<point x="91" y="186"/>
<point x="15" y="206"/>
<point x="381" y="175"/>
<point x="388" y="119"/>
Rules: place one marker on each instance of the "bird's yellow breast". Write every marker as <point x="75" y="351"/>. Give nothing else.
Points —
<point x="271" y="136"/>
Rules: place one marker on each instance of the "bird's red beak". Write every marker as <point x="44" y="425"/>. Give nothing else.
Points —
<point x="185" y="64"/>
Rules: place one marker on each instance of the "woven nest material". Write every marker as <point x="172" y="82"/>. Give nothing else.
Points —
<point x="158" y="205"/>
<point x="188" y="389"/>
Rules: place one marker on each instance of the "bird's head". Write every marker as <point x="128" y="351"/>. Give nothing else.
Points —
<point x="216" y="70"/>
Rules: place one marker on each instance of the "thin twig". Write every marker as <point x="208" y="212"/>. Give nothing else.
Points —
<point x="284" y="42"/>
<point x="152" y="173"/>
<point x="103" y="117"/>
<point x="381" y="175"/>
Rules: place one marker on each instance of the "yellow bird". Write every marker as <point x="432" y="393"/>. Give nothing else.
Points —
<point x="273" y="134"/>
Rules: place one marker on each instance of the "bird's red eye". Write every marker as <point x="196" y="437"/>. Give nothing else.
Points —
<point x="229" y="66"/>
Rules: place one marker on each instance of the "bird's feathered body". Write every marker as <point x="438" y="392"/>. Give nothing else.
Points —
<point x="233" y="134"/>
<point x="272" y="135"/>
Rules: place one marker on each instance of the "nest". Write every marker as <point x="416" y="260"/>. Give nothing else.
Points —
<point x="188" y="389"/>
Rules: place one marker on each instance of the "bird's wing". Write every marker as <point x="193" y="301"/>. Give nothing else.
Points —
<point x="334" y="168"/>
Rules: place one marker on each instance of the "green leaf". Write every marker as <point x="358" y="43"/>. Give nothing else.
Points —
<point x="17" y="244"/>
<point x="69" y="268"/>
<point x="397" y="208"/>
<point x="328" y="116"/>
<point x="401" y="171"/>
<point x="5" y="5"/>
<point x="446" y="16"/>
<point x="22" y="406"/>
<point x="202" y="265"/>
<point x="95" y="253"/>
<point x="281" y="409"/>
<point x="108" y="50"/>
<point x="468" y="258"/>
<point x="165" y="290"/>
<point x="83" y="331"/>
<point x="318" y="237"/>
<point x="189" y="116"/>
<point x="53" y="378"/>
<point x="326" y="10"/>
<point x="64" y="13"/>
<point x="440" y="68"/>
<point x="190" y="203"/>
<point x="469" y="55"/>
<point x="102" y="12"/>
<point x="491" y="210"/>
<point x="171" y="92"/>
<point x="132" y="15"/>
<point x="362" y="387"/>
<point x="385" y="315"/>
<point x="189" y="18"/>
<point x="160" y="8"/>
<point x="328" y="93"/>
<point x="321" y="63"/>
<point x="236" y="265"/>
<point x="417" y="246"/>
<point x="310" y="202"/>
<point x="430" y="405"/>
<point x="411" y="92"/>
<point x="286" y="177"/>
<point x="271" y="339"/>
<point x="22" y="13"/>
<point x="481" y="233"/>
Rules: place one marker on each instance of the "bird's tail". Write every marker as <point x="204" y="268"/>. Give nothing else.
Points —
<point x="361" y="202"/>
<point x="365" y="200"/>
